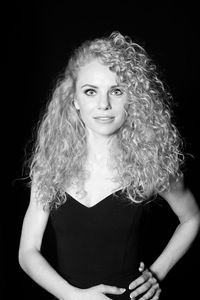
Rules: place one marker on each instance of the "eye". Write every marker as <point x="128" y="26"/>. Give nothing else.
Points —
<point x="117" y="92"/>
<point x="90" y="92"/>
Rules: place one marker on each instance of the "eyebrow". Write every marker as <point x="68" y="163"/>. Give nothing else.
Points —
<point x="96" y="87"/>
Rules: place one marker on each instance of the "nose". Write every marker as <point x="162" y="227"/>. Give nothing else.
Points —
<point x="104" y="102"/>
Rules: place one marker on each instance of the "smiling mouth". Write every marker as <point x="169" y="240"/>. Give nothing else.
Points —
<point x="104" y="119"/>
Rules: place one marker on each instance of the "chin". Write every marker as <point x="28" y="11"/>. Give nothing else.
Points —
<point x="107" y="132"/>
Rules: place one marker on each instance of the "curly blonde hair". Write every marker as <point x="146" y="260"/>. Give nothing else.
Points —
<point x="149" y="151"/>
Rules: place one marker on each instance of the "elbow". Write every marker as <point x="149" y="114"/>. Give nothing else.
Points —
<point x="21" y="259"/>
<point x="197" y="223"/>
<point x="193" y="218"/>
<point x="194" y="222"/>
<point x="24" y="258"/>
<point x="191" y="225"/>
<point x="198" y="220"/>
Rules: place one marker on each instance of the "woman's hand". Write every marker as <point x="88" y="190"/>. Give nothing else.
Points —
<point x="146" y="284"/>
<point x="95" y="293"/>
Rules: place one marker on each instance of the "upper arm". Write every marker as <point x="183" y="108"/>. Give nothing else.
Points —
<point x="182" y="201"/>
<point x="34" y="225"/>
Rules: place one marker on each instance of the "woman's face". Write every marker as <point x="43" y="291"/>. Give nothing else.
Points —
<point x="100" y="100"/>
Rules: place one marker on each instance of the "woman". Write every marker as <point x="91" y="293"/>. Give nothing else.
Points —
<point x="105" y="147"/>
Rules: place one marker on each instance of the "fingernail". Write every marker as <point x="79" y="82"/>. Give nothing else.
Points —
<point x="122" y="290"/>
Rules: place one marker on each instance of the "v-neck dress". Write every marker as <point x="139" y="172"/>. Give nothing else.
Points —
<point x="99" y="244"/>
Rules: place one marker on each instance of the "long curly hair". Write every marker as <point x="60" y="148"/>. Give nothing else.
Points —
<point x="149" y="145"/>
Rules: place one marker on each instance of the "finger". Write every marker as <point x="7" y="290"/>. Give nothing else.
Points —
<point x="157" y="295"/>
<point x="141" y="267"/>
<point x="151" y="282"/>
<point x="141" y="289"/>
<point x="107" y="289"/>
<point x="140" y="280"/>
<point x="151" y="292"/>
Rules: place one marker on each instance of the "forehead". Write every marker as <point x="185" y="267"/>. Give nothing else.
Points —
<point x="96" y="72"/>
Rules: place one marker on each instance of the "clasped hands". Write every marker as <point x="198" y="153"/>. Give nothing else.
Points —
<point x="146" y="284"/>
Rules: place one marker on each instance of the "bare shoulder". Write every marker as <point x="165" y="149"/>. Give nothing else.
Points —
<point x="181" y="200"/>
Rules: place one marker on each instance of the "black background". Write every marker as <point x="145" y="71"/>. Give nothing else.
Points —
<point x="40" y="36"/>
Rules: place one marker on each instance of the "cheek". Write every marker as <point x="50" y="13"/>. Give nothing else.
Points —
<point x="122" y="114"/>
<point x="85" y="109"/>
<point x="122" y="108"/>
<point x="85" y="112"/>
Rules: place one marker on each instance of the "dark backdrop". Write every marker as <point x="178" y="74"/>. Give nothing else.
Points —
<point x="40" y="36"/>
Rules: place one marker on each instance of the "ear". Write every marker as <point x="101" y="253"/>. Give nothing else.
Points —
<point x="76" y="104"/>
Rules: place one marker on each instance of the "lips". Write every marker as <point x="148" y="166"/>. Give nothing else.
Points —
<point x="104" y="119"/>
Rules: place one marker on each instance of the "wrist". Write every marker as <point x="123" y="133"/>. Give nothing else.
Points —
<point x="69" y="292"/>
<point x="157" y="273"/>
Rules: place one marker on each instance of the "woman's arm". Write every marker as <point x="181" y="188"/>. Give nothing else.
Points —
<point x="37" y="267"/>
<point x="30" y="258"/>
<point x="185" y="207"/>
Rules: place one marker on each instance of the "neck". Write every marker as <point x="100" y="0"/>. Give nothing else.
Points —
<point x="99" y="148"/>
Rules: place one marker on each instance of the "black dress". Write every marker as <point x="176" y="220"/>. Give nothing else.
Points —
<point x="100" y="244"/>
